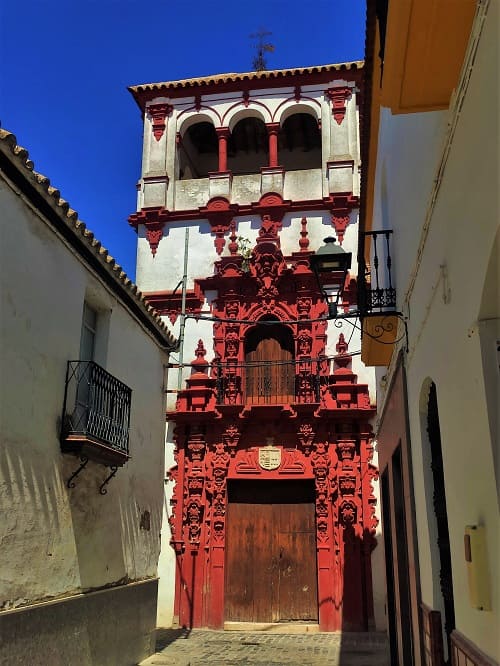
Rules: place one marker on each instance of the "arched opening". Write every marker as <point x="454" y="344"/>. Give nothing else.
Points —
<point x="299" y="143"/>
<point x="248" y="147"/>
<point x="198" y="151"/>
<point x="270" y="367"/>
<point x="438" y="523"/>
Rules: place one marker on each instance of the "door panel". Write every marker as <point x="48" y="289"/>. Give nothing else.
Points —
<point x="271" y="552"/>
<point x="270" y="374"/>
<point x="297" y="597"/>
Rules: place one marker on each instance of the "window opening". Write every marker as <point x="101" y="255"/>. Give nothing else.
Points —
<point x="198" y="151"/>
<point x="248" y="147"/>
<point x="299" y="143"/>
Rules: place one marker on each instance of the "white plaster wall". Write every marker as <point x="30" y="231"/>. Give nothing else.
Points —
<point x="408" y="156"/>
<point x="224" y="110"/>
<point x="164" y="271"/>
<point x="443" y="324"/>
<point x="56" y="541"/>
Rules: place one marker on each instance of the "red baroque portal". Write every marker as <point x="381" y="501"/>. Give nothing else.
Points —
<point x="273" y="455"/>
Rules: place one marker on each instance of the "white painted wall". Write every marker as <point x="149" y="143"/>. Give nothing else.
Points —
<point x="160" y="159"/>
<point x="445" y="315"/>
<point x="56" y="541"/>
<point x="164" y="271"/>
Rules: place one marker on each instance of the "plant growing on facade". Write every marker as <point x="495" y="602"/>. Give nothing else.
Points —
<point x="245" y="249"/>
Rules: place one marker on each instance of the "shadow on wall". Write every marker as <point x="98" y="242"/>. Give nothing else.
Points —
<point x="116" y="539"/>
<point x="35" y="526"/>
<point x="59" y="542"/>
<point x="357" y="604"/>
<point x="117" y="543"/>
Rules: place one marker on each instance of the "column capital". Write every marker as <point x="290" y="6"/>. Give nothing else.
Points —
<point x="273" y="128"/>
<point x="223" y="132"/>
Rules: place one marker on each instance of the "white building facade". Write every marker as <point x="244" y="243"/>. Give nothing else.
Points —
<point x="83" y="366"/>
<point x="432" y="178"/>
<point x="243" y="177"/>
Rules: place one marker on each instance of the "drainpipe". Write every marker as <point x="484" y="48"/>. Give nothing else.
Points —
<point x="183" y="310"/>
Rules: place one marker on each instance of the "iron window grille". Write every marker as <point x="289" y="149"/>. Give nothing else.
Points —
<point x="376" y="291"/>
<point x="96" y="414"/>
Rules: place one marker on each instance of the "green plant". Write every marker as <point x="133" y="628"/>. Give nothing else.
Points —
<point x="245" y="249"/>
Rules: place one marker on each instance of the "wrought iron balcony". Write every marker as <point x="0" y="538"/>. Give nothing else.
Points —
<point x="96" y="414"/>
<point x="376" y="292"/>
<point x="273" y="382"/>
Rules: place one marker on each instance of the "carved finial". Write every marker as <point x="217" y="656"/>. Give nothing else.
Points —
<point x="303" y="240"/>
<point x="341" y="346"/>
<point x="233" y="245"/>
<point x="200" y="364"/>
<point x="201" y="352"/>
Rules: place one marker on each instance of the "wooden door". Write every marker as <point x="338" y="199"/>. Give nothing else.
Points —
<point x="270" y="374"/>
<point x="271" y="552"/>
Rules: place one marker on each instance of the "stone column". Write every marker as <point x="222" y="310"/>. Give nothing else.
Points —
<point x="272" y="130"/>
<point x="222" y="135"/>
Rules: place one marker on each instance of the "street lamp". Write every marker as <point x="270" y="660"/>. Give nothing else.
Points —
<point x="330" y="264"/>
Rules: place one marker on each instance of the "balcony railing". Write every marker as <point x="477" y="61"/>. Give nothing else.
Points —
<point x="268" y="382"/>
<point x="96" y="414"/>
<point x="376" y="291"/>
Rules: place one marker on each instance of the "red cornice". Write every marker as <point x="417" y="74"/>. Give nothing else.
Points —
<point x="168" y="303"/>
<point x="339" y="200"/>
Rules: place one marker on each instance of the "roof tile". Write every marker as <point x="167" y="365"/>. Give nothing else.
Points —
<point x="8" y="144"/>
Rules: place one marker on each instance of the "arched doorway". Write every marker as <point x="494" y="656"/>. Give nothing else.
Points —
<point x="440" y="539"/>
<point x="269" y="365"/>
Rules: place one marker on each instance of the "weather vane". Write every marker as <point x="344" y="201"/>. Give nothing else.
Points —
<point x="259" y="62"/>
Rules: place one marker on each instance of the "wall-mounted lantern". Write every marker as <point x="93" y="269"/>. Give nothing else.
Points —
<point x="330" y="264"/>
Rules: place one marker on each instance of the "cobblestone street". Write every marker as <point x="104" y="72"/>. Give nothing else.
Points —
<point x="235" y="648"/>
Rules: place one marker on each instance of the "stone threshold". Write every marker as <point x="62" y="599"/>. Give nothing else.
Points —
<point x="274" y="627"/>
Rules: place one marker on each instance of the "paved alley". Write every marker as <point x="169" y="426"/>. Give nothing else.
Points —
<point x="235" y="648"/>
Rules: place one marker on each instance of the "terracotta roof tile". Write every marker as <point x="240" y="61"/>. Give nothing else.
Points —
<point x="20" y="157"/>
<point x="245" y="76"/>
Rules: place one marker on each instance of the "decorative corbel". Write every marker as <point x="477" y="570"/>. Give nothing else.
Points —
<point x="338" y="98"/>
<point x="158" y="114"/>
<point x="153" y="220"/>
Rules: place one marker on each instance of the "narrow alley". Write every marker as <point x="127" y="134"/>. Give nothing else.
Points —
<point x="238" y="648"/>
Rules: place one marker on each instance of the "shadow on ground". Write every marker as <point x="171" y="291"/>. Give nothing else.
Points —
<point x="165" y="637"/>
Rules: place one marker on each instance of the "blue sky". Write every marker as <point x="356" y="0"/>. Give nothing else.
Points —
<point x="65" y="66"/>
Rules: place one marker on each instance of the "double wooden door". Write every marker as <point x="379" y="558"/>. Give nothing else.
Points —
<point x="271" y="571"/>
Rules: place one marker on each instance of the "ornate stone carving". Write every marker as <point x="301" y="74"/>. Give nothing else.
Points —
<point x="347" y="485"/>
<point x="304" y="240"/>
<point x="304" y="343"/>
<point x="338" y="98"/>
<point x="348" y="513"/>
<point x="158" y="113"/>
<point x="306" y="436"/>
<point x="231" y="437"/>
<point x="154" y="220"/>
